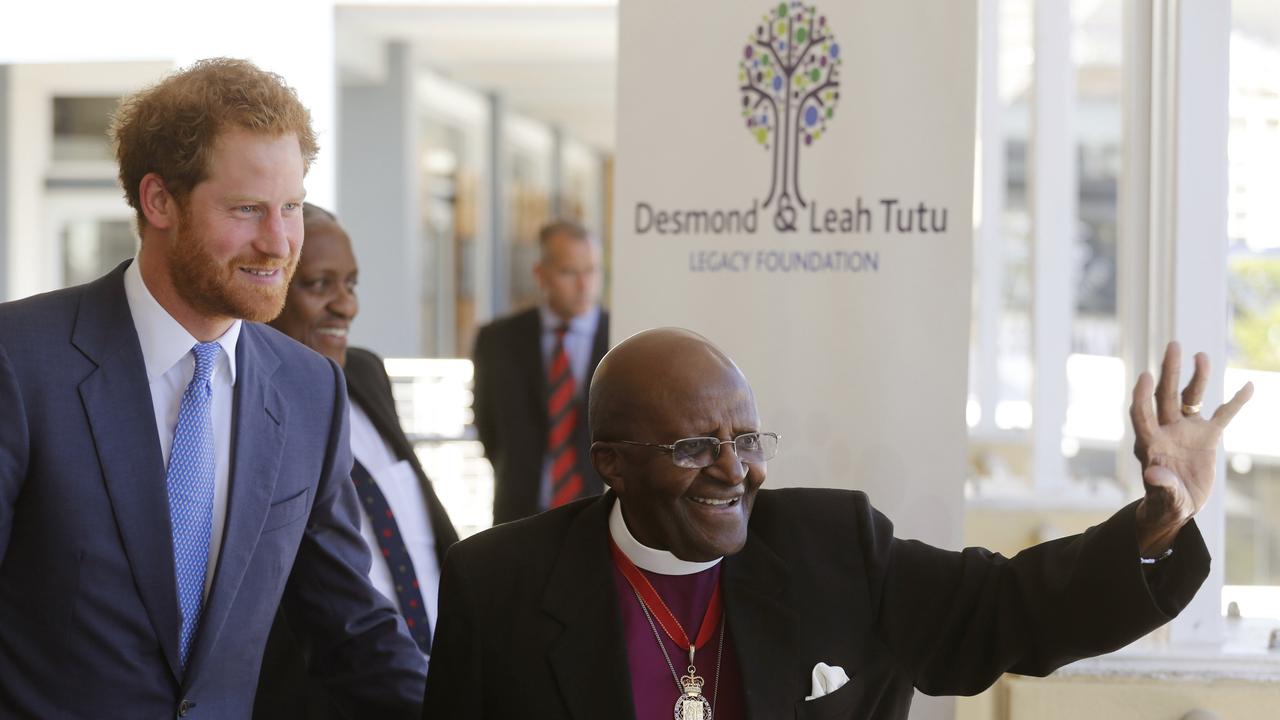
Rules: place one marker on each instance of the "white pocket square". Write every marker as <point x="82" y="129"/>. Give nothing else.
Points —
<point x="827" y="679"/>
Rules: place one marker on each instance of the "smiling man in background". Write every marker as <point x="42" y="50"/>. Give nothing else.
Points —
<point x="686" y="587"/>
<point x="402" y="521"/>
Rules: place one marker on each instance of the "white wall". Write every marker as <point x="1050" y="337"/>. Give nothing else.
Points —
<point x="291" y="37"/>
<point x="34" y="258"/>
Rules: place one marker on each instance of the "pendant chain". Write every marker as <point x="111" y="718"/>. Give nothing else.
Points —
<point x="715" y="683"/>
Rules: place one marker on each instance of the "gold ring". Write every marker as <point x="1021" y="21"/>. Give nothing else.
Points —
<point x="1189" y="409"/>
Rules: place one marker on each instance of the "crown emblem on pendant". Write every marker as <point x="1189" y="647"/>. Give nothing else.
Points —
<point x="692" y="684"/>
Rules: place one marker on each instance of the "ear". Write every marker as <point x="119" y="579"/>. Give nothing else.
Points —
<point x="158" y="205"/>
<point x="537" y="274"/>
<point x="608" y="463"/>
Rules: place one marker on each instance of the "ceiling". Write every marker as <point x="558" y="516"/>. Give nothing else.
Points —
<point x="554" y="63"/>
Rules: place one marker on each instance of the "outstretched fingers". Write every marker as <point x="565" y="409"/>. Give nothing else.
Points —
<point x="1222" y="416"/>
<point x="1140" y="412"/>
<point x="1168" y="409"/>
<point x="1193" y="393"/>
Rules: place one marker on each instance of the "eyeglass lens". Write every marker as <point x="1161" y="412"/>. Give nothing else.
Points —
<point x="703" y="451"/>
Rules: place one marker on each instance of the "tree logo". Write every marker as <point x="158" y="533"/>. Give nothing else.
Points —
<point x="789" y="76"/>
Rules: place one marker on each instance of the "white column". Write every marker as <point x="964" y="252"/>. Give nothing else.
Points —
<point x="1173" y="242"/>
<point x="1053" y="208"/>
<point x="500" y="250"/>
<point x="1133" y="251"/>
<point x="378" y="204"/>
<point x="558" y="204"/>
<point x="1198" y="208"/>
<point x="989" y="254"/>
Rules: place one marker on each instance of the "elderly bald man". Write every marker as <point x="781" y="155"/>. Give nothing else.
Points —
<point x="797" y="602"/>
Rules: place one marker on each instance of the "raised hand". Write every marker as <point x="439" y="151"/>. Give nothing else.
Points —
<point x="1177" y="447"/>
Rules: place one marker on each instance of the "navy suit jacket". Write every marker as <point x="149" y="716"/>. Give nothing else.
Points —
<point x="88" y="604"/>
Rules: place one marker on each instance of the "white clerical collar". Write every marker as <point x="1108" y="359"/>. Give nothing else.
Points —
<point x="646" y="558"/>
<point x="163" y="339"/>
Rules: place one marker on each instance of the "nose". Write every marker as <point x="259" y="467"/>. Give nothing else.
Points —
<point x="345" y="305"/>
<point x="727" y="467"/>
<point x="273" y="238"/>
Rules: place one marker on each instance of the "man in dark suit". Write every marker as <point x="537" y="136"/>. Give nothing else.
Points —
<point x="532" y="370"/>
<point x="403" y="522"/>
<point x="590" y="611"/>
<point x="171" y="471"/>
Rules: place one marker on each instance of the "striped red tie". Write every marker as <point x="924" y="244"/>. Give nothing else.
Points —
<point x="566" y="478"/>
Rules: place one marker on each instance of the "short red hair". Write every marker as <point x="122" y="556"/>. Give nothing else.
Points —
<point x="170" y="128"/>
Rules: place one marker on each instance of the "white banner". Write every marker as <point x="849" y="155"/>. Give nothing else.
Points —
<point x="795" y="181"/>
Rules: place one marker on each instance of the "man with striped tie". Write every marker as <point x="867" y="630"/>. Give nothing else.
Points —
<point x="531" y="373"/>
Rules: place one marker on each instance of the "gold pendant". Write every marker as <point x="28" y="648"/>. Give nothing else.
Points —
<point x="692" y="705"/>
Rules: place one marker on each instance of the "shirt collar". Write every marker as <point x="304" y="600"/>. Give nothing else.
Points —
<point x="584" y="324"/>
<point x="164" y="341"/>
<point x="646" y="558"/>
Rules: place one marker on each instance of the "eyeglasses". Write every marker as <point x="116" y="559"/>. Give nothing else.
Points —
<point x="700" y="452"/>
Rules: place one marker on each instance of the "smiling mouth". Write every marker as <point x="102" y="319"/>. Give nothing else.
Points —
<point x="715" y="502"/>
<point x="333" y="332"/>
<point x="261" y="273"/>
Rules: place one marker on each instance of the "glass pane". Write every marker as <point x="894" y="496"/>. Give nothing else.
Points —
<point x="453" y="136"/>
<point x="586" y="196"/>
<point x="1013" y="409"/>
<point x="433" y="402"/>
<point x="583" y="184"/>
<point x="1095" y="373"/>
<point x="529" y="148"/>
<point x="80" y="128"/>
<point x="1253" y="284"/>
<point x="91" y="248"/>
<point x="999" y="409"/>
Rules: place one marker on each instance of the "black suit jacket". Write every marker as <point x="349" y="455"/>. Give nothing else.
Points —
<point x="511" y="410"/>
<point x="530" y="628"/>
<point x="370" y="388"/>
<point x="284" y="687"/>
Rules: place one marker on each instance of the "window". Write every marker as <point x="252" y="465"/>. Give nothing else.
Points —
<point x="1253" y="283"/>
<point x="1006" y="476"/>
<point x="80" y="128"/>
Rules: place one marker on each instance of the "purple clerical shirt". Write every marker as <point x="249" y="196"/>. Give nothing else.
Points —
<point x="652" y="687"/>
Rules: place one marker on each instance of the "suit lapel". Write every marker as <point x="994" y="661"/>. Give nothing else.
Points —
<point x="364" y="393"/>
<point x="599" y="346"/>
<point x="589" y="658"/>
<point x="361" y="390"/>
<point x="258" y="433"/>
<point x="117" y="401"/>
<point x="763" y="629"/>
<point x="530" y="336"/>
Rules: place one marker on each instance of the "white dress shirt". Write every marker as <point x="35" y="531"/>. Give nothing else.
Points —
<point x="399" y="484"/>
<point x="166" y="352"/>
<point x="578" y="340"/>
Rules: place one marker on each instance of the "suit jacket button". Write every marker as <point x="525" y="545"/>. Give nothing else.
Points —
<point x="184" y="707"/>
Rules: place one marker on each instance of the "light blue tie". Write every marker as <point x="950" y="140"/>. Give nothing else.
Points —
<point x="190" y="482"/>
